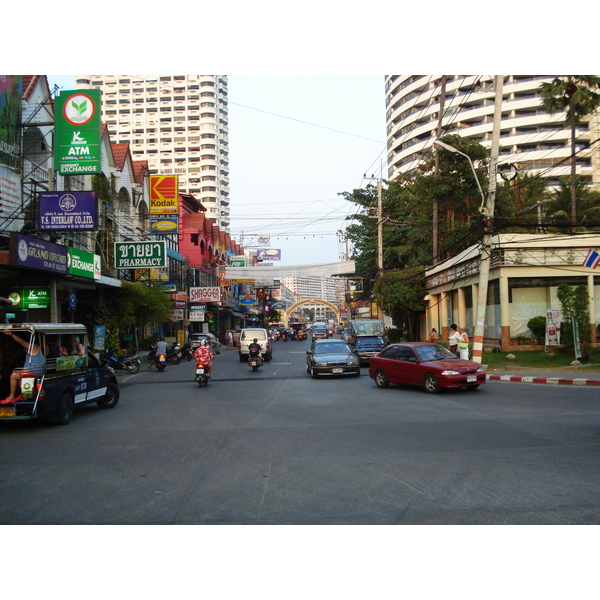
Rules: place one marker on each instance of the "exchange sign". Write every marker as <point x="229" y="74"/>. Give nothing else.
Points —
<point x="77" y="149"/>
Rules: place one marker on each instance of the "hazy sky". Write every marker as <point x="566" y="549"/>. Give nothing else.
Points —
<point x="296" y="142"/>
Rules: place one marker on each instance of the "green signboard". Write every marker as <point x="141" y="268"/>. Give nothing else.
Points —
<point x="140" y="255"/>
<point x="30" y="298"/>
<point x="81" y="263"/>
<point x="77" y="148"/>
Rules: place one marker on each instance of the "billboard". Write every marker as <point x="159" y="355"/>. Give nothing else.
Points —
<point x="205" y="294"/>
<point x="268" y="254"/>
<point x="164" y="194"/>
<point x="164" y="225"/>
<point x="77" y="131"/>
<point x="11" y="90"/>
<point x="77" y="211"/>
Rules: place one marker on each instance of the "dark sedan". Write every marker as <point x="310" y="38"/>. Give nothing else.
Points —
<point x="331" y="357"/>
<point x="319" y="333"/>
<point x="367" y="346"/>
<point x="424" y="364"/>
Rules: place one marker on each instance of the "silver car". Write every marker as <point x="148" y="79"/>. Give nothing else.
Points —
<point x="215" y="344"/>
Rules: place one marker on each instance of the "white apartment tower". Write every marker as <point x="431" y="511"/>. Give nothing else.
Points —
<point x="179" y="124"/>
<point x="320" y="288"/>
<point x="539" y="143"/>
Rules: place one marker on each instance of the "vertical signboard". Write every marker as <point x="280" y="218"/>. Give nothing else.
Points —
<point x="77" y="147"/>
<point x="164" y="195"/>
<point x="11" y="90"/>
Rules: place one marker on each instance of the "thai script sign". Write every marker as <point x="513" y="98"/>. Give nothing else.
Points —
<point x="205" y="294"/>
<point x="140" y="255"/>
<point x="77" y="148"/>
<point x="38" y="254"/>
<point x="68" y="210"/>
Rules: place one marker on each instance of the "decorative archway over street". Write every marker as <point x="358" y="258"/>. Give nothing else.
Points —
<point x="291" y="309"/>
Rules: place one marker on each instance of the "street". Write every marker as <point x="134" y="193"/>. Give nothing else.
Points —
<point x="277" y="447"/>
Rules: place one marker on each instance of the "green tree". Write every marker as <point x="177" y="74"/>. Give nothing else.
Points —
<point x="577" y="96"/>
<point x="574" y="303"/>
<point x="559" y="208"/>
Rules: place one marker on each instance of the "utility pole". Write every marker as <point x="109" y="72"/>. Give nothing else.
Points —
<point x="487" y="212"/>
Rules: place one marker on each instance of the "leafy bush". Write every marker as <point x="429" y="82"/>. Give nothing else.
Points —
<point x="394" y="335"/>
<point x="537" y="326"/>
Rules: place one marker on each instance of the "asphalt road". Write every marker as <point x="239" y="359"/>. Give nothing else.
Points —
<point x="277" y="447"/>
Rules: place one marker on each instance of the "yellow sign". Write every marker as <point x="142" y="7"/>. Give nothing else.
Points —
<point x="164" y="194"/>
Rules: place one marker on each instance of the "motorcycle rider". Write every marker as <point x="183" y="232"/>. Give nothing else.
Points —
<point x="204" y="355"/>
<point x="159" y="348"/>
<point x="254" y="349"/>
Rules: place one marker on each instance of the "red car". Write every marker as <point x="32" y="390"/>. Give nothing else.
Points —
<point x="424" y="364"/>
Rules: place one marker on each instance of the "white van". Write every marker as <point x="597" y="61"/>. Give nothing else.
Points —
<point x="262" y="336"/>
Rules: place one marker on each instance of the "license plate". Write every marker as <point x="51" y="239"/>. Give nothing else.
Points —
<point x="471" y="378"/>
<point x="337" y="370"/>
<point x="7" y="411"/>
<point x="199" y="371"/>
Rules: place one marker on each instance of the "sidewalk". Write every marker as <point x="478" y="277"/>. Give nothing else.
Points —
<point x="564" y="376"/>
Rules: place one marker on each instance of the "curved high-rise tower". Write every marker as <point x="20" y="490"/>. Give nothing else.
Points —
<point x="537" y="142"/>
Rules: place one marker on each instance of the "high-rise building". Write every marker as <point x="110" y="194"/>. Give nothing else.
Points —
<point x="535" y="141"/>
<point x="179" y="124"/>
<point x="320" y="288"/>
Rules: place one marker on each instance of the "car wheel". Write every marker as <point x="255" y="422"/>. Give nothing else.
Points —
<point x="65" y="410"/>
<point x="381" y="379"/>
<point x="431" y="385"/>
<point x="313" y="373"/>
<point x="111" y="398"/>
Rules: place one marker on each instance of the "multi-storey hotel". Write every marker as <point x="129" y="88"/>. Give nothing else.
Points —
<point x="322" y="288"/>
<point x="537" y="142"/>
<point x="179" y="124"/>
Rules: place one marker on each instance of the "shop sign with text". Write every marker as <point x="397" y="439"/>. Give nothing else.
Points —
<point x="205" y="294"/>
<point x="140" y="255"/>
<point x="75" y="211"/>
<point x="164" y="194"/>
<point x="38" y="254"/>
<point x="77" y="147"/>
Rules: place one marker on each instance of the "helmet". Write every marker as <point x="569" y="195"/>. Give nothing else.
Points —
<point x="203" y="343"/>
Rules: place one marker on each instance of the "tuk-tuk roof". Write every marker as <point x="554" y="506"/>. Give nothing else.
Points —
<point x="53" y="328"/>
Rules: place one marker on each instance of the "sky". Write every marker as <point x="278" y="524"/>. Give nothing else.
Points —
<point x="296" y="142"/>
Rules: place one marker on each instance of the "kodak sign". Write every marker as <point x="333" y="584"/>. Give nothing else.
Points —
<point x="164" y="195"/>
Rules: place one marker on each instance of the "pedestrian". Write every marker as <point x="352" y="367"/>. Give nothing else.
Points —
<point x="463" y="343"/>
<point x="434" y="336"/>
<point x="453" y="339"/>
<point x="229" y="336"/>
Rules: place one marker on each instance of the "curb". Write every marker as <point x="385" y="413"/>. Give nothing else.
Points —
<point x="550" y="380"/>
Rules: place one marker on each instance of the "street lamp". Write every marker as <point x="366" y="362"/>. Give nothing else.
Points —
<point x="453" y="149"/>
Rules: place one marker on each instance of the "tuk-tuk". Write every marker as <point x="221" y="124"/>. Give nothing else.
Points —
<point x="70" y="376"/>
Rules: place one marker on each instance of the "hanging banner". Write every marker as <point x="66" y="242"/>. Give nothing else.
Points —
<point x="164" y="194"/>
<point x="78" y="132"/>
<point x="11" y="90"/>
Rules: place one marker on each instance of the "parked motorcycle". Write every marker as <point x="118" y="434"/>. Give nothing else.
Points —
<point x="202" y="376"/>
<point x="130" y="363"/>
<point x="174" y="353"/>
<point x="161" y="362"/>
<point x="187" y="353"/>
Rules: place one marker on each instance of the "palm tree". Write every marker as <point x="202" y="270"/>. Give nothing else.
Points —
<point x="576" y="95"/>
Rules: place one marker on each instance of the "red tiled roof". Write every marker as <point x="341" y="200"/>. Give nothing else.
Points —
<point x="120" y="153"/>
<point x="140" y="168"/>
<point x="29" y="82"/>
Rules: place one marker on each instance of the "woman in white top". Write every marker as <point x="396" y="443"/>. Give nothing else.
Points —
<point x="453" y="339"/>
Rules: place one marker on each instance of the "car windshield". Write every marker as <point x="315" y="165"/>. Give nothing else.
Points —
<point x="332" y="347"/>
<point x="320" y="330"/>
<point x="428" y="353"/>
<point x="370" y="341"/>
